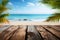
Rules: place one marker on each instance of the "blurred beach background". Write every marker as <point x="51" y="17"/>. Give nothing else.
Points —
<point x="28" y="17"/>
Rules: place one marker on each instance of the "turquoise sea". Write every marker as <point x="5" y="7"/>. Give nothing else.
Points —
<point x="29" y="17"/>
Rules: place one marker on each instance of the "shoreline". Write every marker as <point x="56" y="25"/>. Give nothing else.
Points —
<point x="30" y="23"/>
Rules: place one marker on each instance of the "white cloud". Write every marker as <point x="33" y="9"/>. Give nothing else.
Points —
<point x="35" y="8"/>
<point x="33" y="11"/>
<point x="14" y="11"/>
<point x="38" y="11"/>
<point x="33" y="4"/>
<point x="10" y="3"/>
<point x="38" y="8"/>
<point x="30" y="4"/>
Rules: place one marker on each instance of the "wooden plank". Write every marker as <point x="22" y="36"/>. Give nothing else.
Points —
<point x="5" y="35"/>
<point x="57" y="33"/>
<point x="4" y="27"/>
<point x="33" y="33"/>
<point x="19" y="34"/>
<point x="45" y="34"/>
<point x="55" y="27"/>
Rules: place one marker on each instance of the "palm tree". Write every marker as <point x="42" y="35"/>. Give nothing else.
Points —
<point x="3" y="18"/>
<point x="3" y="8"/>
<point x="54" y="17"/>
<point x="55" y="4"/>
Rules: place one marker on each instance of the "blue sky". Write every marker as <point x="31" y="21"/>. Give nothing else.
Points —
<point x="28" y="7"/>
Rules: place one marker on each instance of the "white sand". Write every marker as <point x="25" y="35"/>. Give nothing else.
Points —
<point x="31" y="23"/>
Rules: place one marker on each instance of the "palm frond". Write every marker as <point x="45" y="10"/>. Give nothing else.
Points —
<point x="54" y="17"/>
<point x="2" y="8"/>
<point x="53" y="3"/>
<point x="4" y="2"/>
<point x="4" y="15"/>
<point x="3" y="20"/>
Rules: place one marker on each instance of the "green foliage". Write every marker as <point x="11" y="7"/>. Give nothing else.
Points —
<point x="4" y="15"/>
<point x="4" y="2"/>
<point x="3" y="8"/>
<point x="55" y="4"/>
<point x="54" y="17"/>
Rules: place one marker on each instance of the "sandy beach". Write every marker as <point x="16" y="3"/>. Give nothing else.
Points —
<point x="30" y="23"/>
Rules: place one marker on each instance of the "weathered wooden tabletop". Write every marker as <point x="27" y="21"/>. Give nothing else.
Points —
<point x="30" y="32"/>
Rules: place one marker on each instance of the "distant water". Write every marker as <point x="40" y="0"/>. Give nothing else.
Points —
<point x="29" y="17"/>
